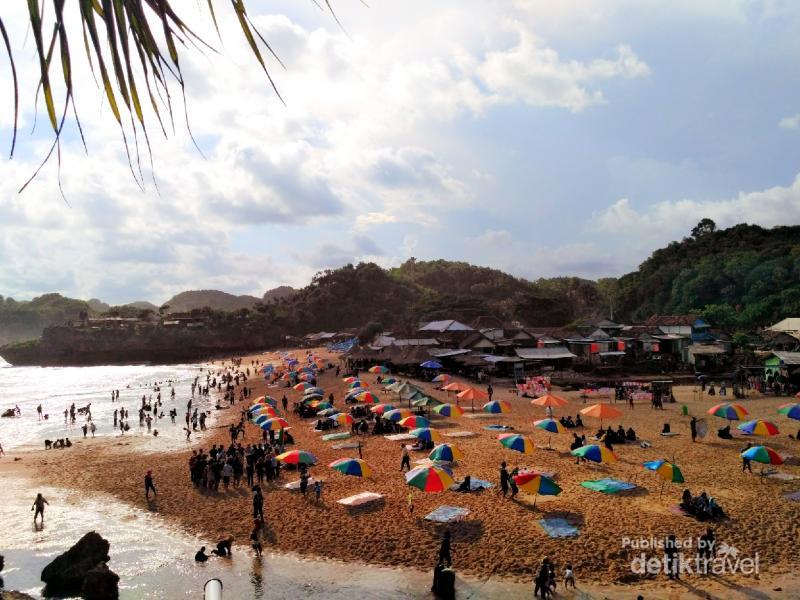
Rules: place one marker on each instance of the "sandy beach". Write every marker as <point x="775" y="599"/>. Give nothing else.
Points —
<point x="500" y="537"/>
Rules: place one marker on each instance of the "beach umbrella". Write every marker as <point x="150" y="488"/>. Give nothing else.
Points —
<point x="305" y="376"/>
<point x="328" y="412"/>
<point x="274" y="424"/>
<point x="378" y="369"/>
<point x="380" y="409"/>
<point x="351" y="394"/>
<point x="389" y="381"/>
<point x="313" y="390"/>
<point x="551" y="426"/>
<point x="550" y="400"/>
<point x="430" y="479"/>
<point x="448" y="410"/>
<point x="423" y="401"/>
<point x="321" y="405"/>
<point x="763" y="454"/>
<point x="497" y="406"/>
<point x="514" y="441"/>
<point x="426" y="434"/>
<point x="342" y="419"/>
<point x="666" y="470"/>
<point x="352" y="466"/>
<point x="397" y="414"/>
<point x="297" y="457"/>
<point x="366" y="397"/>
<point x="430" y="364"/>
<point x="259" y="419"/>
<point x="595" y="453"/>
<point x="791" y="410"/>
<point x="267" y="412"/>
<point x="312" y="396"/>
<point x="350" y="379"/>
<point x="302" y="386"/>
<point x="758" y="427"/>
<point x="358" y="384"/>
<point x="266" y="400"/>
<point x="456" y="386"/>
<point x="414" y="421"/>
<point x="442" y="378"/>
<point x="472" y="394"/>
<point x="728" y="410"/>
<point x="446" y="453"/>
<point x="536" y="484"/>
<point x="601" y="411"/>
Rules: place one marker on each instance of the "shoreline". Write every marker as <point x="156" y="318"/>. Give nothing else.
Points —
<point x="210" y="514"/>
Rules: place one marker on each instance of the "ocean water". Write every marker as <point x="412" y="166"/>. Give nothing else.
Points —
<point x="55" y="388"/>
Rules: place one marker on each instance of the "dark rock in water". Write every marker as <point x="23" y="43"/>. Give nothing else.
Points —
<point x="2" y="562"/>
<point x="65" y="575"/>
<point x="100" y="584"/>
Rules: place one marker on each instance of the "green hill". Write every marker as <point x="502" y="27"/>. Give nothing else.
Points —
<point x="213" y="299"/>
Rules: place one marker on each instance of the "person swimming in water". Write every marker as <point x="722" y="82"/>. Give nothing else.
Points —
<point x="38" y="504"/>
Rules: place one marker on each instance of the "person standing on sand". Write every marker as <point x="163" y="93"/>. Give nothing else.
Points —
<point x="746" y="461"/>
<point x="93" y="428"/>
<point x="503" y="478"/>
<point x="85" y="428"/>
<point x="405" y="462"/>
<point x="148" y="485"/>
<point x="490" y="391"/>
<point x="258" y="504"/>
<point x="445" y="550"/>
<point x="255" y="537"/>
<point x="693" y="427"/>
<point x="38" y="505"/>
<point x="39" y="411"/>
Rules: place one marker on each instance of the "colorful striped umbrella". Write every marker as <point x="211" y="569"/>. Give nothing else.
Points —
<point x="514" y="441"/>
<point x="342" y="419"/>
<point x="389" y="381"/>
<point x="442" y="378"/>
<point x="414" y="421"/>
<point x="263" y="410"/>
<point x="366" y="397"/>
<point x="320" y="405"/>
<point x="448" y="410"/>
<point x="727" y="410"/>
<point x="378" y="369"/>
<point x="398" y="414"/>
<point x="328" y="412"/>
<point x="302" y="386"/>
<point x="297" y="457"/>
<point x="305" y="376"/>
<point x="314" y="390"/>
<point x="266" y="400"/>
<point x="259" y="419"/>
<point x="666" y="470"/>
<point x="759" y="427"/>
<point x="426" y="434"/>
<point x="763" y="454"/>
<point x="497" y="406"/>
<point x="350" y="379"/>
<point x="358" y="384"/>
<point x="311" y="397"/>
<point x="351" y="394"/>
<point x="595" y="453"/>
<point x="274" y="424"/>
<point x="380" y="409"/>
<point x="550" y="426"/>
<point x="536" y="484"/>
<point x="352" y="466"/>
<point x="791" y="410"/>
<point x="430" y="479"/>
<point x="550" y="400"/>
<point x="446" y="453"/>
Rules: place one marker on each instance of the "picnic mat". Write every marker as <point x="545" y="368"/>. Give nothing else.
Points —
<point x="336" y="436"/>
<point x="670" y="434"/>
<point x="793" y="496"/>
<point x="474" y="485"/>
<point x="345" y="446"/>
<point x="400" y="437"/>
<point x="558" y="528"/>
<point x="677" y="510"/>
<point x="782" y="476"/>
<point x="460" y="434"/>
<point x="496" y="427"/>
<point x="608" y="486"/>
<point x="359" y="499"/>
<point x="480" y="416"/>
<point x="447" y="514"/>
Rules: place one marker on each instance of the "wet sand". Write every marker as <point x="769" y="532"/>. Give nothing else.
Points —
<point x="500" y="537"/>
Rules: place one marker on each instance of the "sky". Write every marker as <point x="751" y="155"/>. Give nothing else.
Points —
<point x="541" y="138"/>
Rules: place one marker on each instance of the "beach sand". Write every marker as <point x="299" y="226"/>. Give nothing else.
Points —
<point x="500" y="537"/>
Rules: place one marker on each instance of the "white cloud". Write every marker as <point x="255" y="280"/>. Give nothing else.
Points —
<point x="792" y="122"/>
<point x="494" y="237"/>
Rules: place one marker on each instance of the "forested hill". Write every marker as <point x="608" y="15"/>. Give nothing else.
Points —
<point x="739" y="278"/>
<point x="26" y="320"/>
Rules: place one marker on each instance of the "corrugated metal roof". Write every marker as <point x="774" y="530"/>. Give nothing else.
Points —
<point x="788" y="358"/>
<point x="445" y="352"/>
<point x="446" y="325"/>
<point x="544" y="353"/>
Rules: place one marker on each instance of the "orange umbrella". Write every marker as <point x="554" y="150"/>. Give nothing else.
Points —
<point x="550" y="400"/>
<point x="456" y="386"/>
<point x="473" y="394"/>
<point x="601" y="411"/>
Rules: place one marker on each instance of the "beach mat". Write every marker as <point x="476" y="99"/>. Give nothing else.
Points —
<point x="447" y="514"/>
<point x="294" y="486"/>
<point x="400" y="437"/>
<point x="481" y="416"/>
<point x="496" y="427"/>
<point x="608" y="486"/>
<point x="792" y="496"/>
<point x="558" y="528"/>
<point x="677" y="510"/>
<point x="460" y="434"/>
<point x="336" y="436"/>
<point x="782" y="476"/>
<point x="359" y="499"/>
<point x="345" y="446"/>
<point x="474" y="485"/>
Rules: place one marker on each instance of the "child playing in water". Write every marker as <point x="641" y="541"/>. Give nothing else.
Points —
<point x="38" y="504"/>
